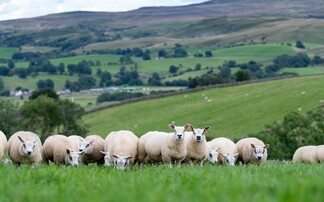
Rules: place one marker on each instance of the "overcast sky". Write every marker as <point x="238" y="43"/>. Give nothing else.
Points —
<point x="13" y="9"/>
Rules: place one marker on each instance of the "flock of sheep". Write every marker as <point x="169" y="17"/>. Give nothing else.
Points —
<point x="122" y="149"/>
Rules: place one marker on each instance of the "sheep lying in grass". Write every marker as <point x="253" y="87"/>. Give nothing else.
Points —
<point x="309" y="154"/>
<point x="252" y="150"/>
<point x="60" y="150"/>
<point x="157" y="146"/>
<point x="197" y="147"/>
<point x="24" y="147"/>
<point x="227" y="150"/>
<point x="3" y="144"/>
<point x="121" y="147"/>
<point x="91" y="149"/>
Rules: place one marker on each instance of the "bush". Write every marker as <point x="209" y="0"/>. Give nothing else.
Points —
<point x="296" y="130"/>
<point x="108" y="97"/>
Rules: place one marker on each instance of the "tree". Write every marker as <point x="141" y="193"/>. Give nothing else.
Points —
<point x="70" y="116"/>
<point x="1" y="84"/>
<point x="162" y="53"/>
<point x="208" y="54"/>
<point x="11" y="64"/>
<point x="48" y="92"/>
<point x="40" y="114"/>
<point x="22" y="73"/>
<point x="242" y="75"/>
<point x="61" y="68"/>
<point x="48" y="83"/>
<point x="146" y="56"/>
<point x="155" y="80"/>
<point x="299" y="44"/>
<point x="198" y="67"/>
<point x="87" y="82"/>
<point x="9" y="117"/>
<point x="173" y="69"/>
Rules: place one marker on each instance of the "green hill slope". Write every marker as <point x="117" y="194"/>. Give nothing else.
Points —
<point x="232" y="112"/>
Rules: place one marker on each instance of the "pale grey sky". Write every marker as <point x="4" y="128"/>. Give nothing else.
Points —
<point x="13" y="9"/>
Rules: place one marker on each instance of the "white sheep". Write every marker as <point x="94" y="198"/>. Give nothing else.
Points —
<point x="306" y="154"/>
<point x="60" y="150"/>
<point x="213" y="155"/>
<point x="320" y="153"/>
<point x="3" y="144"/>
<point x="121" y="149"/>
<point x="76" y="140"/>
<point x="227" y="150"/>
<point x="197" y="147"/>
<point x="157" y="146"/>
<point x="24" y="147"/>
<point x="91" y="149"/>
<point x="252" y="150"/>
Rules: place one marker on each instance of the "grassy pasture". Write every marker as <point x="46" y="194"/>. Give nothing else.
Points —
<point x="7" y="53"/>
<point x="232" y="112"/>
<point x="269" y="182"/>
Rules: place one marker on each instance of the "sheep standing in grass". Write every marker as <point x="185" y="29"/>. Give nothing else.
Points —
<point x="121" y="147"/>
<point x="227" y="150"/>
<point x="197" y="147"/>
<point x="157" y="146"/>
<point x="3" y="144"/>
<point x="91" y="149"/>
<point x="60" y="150"/>
<point x="306" y="154"/>
<point x="24" y="147"/>
<point x="252" y="150"/>
<point x="76" y="140"/>
<point x="320" y="153"/>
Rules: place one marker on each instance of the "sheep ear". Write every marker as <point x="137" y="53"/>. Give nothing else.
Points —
<point x="35" y="141"/>
<point x="252" y="145"/>
<point x="21" y="140"/>
<point x="104" y="152"/>
<point x="188" y="126"/>
<point x="129" y="157"/>
<point x="217" y="149"/>
<point x="206" y="129"/>
<point x="115" y="155"/>
<point x="222" y="155"/>
<point x="236" y="154"/>
<point x="68" y="151"/>
<point x="266" y="146"/>
<point x="81" y="139"/>
<point x="92" y="141"/>
<point x="171" y="126"/>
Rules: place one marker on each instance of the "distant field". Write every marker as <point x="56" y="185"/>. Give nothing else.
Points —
<point x="232" y="112"/>
<point x="268" y="182"/>
<point x="303" y="71"/>
<point x="12" y="83"/>
<point x="7" y="53"/>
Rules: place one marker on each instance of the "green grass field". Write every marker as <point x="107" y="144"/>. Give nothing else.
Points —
<point x="6" y="53"/>
<point x="268" y="182"/>
<point x="232" y="112"/>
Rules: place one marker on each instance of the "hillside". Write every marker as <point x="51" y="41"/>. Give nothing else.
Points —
<point x="232" y="112"/>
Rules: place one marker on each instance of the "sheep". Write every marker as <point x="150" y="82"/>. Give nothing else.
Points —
<point x="91" y="149"/>
<point x="76" y="140"/>
<point x="320" y="153"/>
<point x="60" y="150"/>
<point x="306" y="154"/>
<point x="197" y="147"/>
<point x="252" y="150"/>
<point x="24" y="147"/>
<point x="3" y="144"/>
<point x="227" y="150"/>
<point x="164" y="147"/>
<point x="121" y="149"/>
<point x="213" y="155"/>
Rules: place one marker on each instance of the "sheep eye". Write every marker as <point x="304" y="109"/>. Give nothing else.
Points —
<point x="24" y="145"/>
<point x="88" y="145"/>
<point x="263" y="151"/>
<point x="210" y="155"/>
<point x="70" y="157"/>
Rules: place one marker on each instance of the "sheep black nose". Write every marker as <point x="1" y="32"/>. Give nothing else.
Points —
<point x="80" y="150"/>
<point x="259" y="157"/>
<point x="29" y="152"/>
<point x="179" y="136"/>
<point x="198" y="138"/>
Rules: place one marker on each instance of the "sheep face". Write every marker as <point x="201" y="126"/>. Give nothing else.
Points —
<point x="106" y="158"/>
<point x="121" y="162"/>
<point x="27" y="147"/>
<point x="213" y="156"/>
<point x="259" y="151"/>
<point x="199" y="134"/>
<point x="229" y="159"/>
<point x="72" y="158"/>
<point x="179" y="131"/>
<point x="86" y="146"/>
